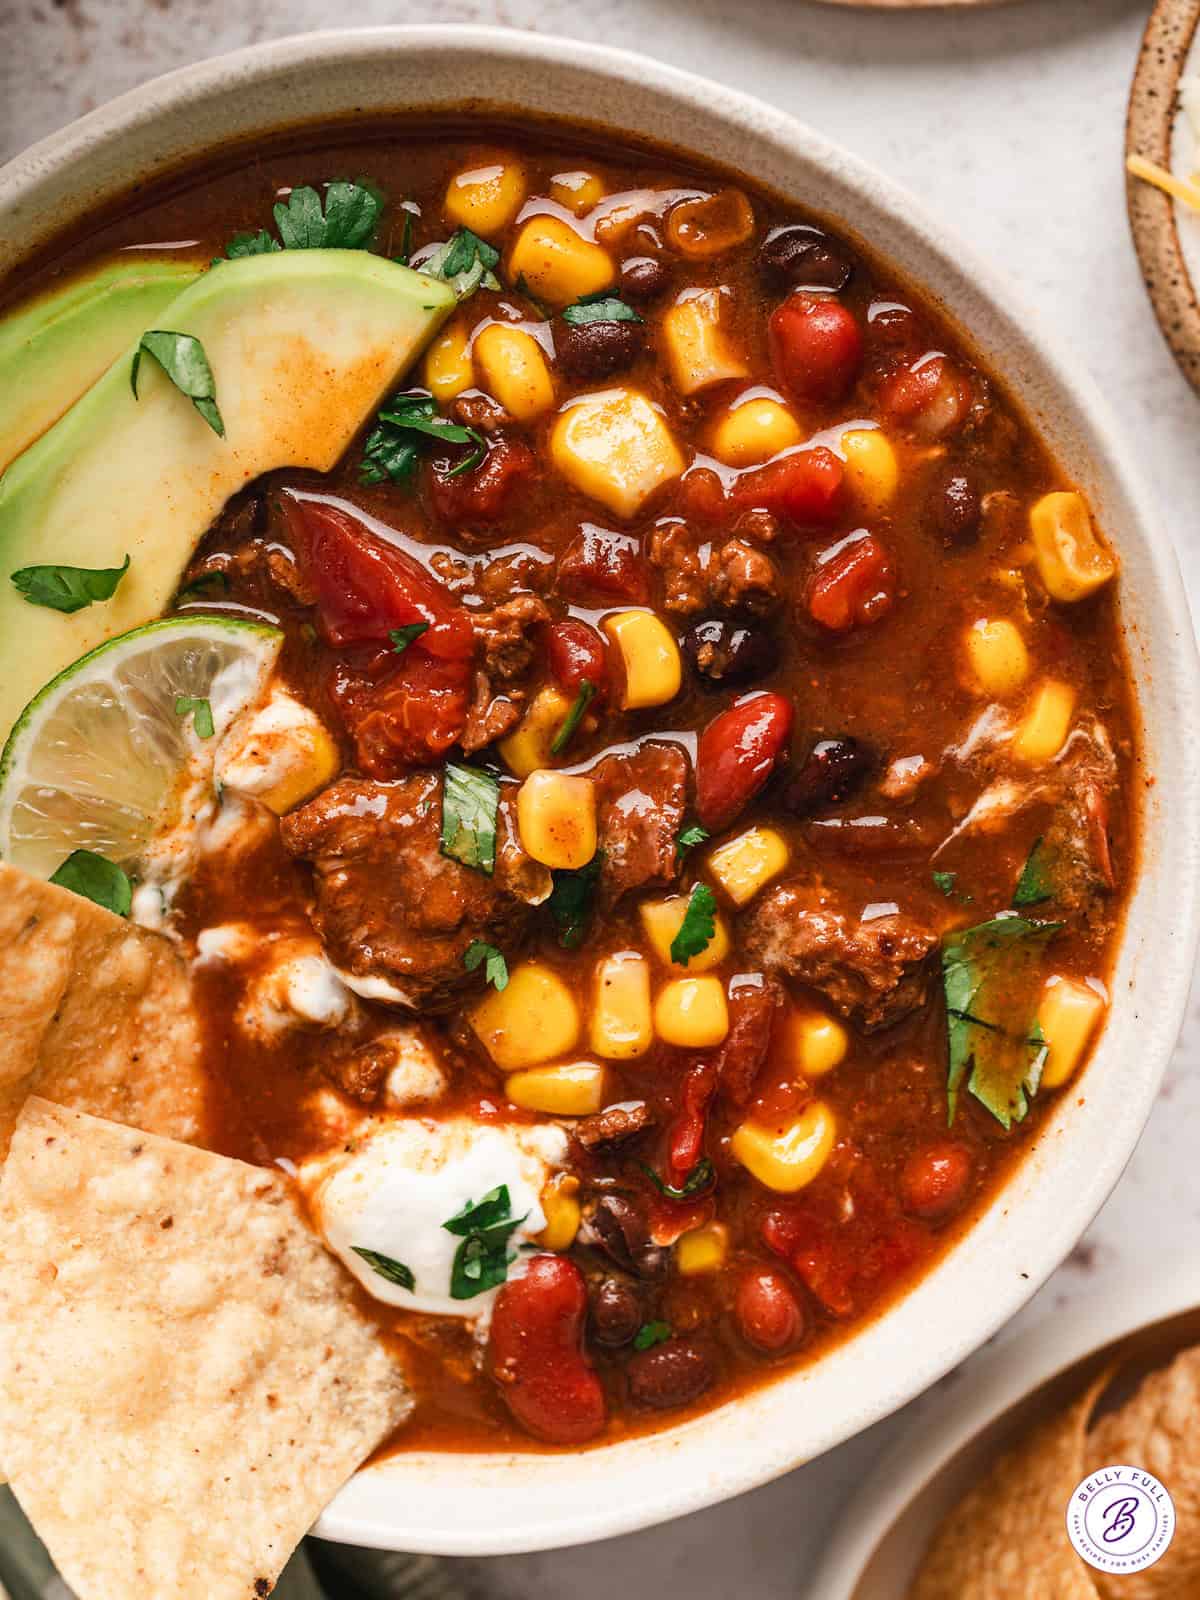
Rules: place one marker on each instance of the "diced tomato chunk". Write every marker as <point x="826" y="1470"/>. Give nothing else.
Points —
<point x="485" y="493"/>
<point x="575" y="651"/>
<point x="736" y="755"/>
<point x="409" y="715"/>
<point x="685" y="1136"/>
<point x="852" y="584"/>
<point x="928" y="395"/>
<point x="600" y="566"/>
<point x="805" y="486"/>
<point x="535" y="1353"/>
<point x="816" y="346"/>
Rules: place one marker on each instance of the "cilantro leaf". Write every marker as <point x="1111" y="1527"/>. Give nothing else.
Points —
<point x="470" y="801"/>
<point x="402" y="637"/>
<point x="201" y="714"/>
<point x="182" y="358"/>
<point x="945" y="881"/>
<point x="650" y="1334"/>
<point x="68" y="588"/>
<point x="698" y="927"/>
<point x="1035" y="883"/>
<point x="394" y="1271"/>
<point x="573" y="718"/>
<point x="98" y="879"/>
<point x="600" y="307"/>
<point x="482" y="1260"/>
<point x="477" y="953"/>
<point x="991" y="976"/>
<point x="395" y="444"/>
<point x="250" y="244"/>
<point x="406" y="235"/>
<point x="689" y="839"/>
<point x="347" y="221"/>
<point x="700" y="1178"/>
<point x="474" y="1216"/>
<point x="571" y="900"/>
<point x="465" y="262"/>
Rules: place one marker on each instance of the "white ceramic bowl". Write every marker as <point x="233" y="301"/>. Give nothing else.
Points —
<point x="886" y="1527"/>
<point x="473" y="1505"/>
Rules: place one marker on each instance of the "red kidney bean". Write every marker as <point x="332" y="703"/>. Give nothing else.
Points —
<point x="575" y="651"/>
<point x="767" y="1311"/>
<point x="852" y="585"/>
<point x="601" y="566"/>
<point x="736" y="755"/>
<point x="671" y="1374"/>
<point x="816" y="346"/>
<point x="535" y="1353"/>
<point x="929" y="395"/>
<point x="935" y="1180"/>
<point x="805" y="486"/>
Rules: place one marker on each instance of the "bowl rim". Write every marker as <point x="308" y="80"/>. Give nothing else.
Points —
<point x="747" y="1442"/>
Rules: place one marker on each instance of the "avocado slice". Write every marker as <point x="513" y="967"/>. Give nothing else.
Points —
<point x="302" y="344"/>
<point x="55" y="347"/>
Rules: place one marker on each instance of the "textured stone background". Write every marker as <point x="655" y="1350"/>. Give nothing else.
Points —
<point x="1009" y="122"/>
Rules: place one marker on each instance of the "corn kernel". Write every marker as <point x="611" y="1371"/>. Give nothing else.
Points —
<point x="486" y="198"/>
<point x="996" y="655"/>
<point x="691" y="1013"/>
<point x="514" y="370"/>
<point x="573" y="1089"/>
<point x="280" y="754"/>
<point x="448" y="368"/>
<point x="699" y="351"/>
<point x="1068" y="1015"/>
<point x="316" y="765"/>
<point x="871" y="467"/>
<point x="622" y="1022"/>
<point x="650" y="656"/>
<point x="662" y="920"/>
<point x="1045" y="726"/>
<point x="753" y="431"/>
<point x="558" y="264"/>
<point x="788" y="1158"/>
<point x="702" y="1250"/>
<point x="743" y="865"/>
<point x="556" y="818"/>
<point x="616" y="447"/>
<point x="1072" y="561"/>
<point x="533" y="1019"/>
<point x="817" y="1043"/>
<point x="577" y="191"/>
<point x="528" y="746"/>
<point x="562" y="1211"/>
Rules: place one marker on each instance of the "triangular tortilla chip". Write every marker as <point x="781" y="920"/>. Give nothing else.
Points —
<point x="184" y="1381"/>
<point x="94" y="1013"/>
<point x="1007" y="1539"/>
<point x="1159" y="1431"/>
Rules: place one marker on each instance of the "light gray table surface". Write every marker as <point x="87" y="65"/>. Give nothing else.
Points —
<point x="1007" y="121"/>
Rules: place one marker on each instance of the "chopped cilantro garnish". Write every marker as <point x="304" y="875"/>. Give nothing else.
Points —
<point x="945" y="881"/>
<point x="701" y="1177"/>
<point x="650" y="1334"/>
<point x="689" y="839"/>
<point x="68" y="588"/>
<point x="182" y="358"/>
<point x="573" y="718"/>
<point x="250" y="244"/>
<point x="386" y="1267"/>
<point x="98" y="879"/>
<point x="402" y="637"/>
<point x="482" y="1260"/>
<point x="991" y="975"/>
<point x="207" y="583"/>
<point x="347" y="221"/>
<point x="600" y="307"/>
<point x="698" y="927"/>
<point x="465" y="262"/>
<point x="200" y="711"/>
<point x="395" y="443"/>
<point x="406" y="235"/>
<point x="571" y="900"/>
<point x="1035" y="883"/>
<point x="470" y="800"/>
<point x="495" y="968"/>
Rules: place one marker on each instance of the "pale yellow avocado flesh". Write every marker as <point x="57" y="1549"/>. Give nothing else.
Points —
<point x="54" y="348"/>
<point x="303" y="345"/>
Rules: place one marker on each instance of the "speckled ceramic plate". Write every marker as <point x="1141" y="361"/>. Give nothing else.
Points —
<point x="910" y="5"/>
<point x="1166" y="232"/>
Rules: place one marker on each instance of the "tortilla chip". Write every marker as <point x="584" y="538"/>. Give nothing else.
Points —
<point x="184" y="1381"/>
<point x="94" y="1013"/>
<point x="1007" y="1539"/>
<point x="1159" y="1431"/>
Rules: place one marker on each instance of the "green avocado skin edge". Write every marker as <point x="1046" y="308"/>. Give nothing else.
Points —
<point x="303" y="346"/>
<point x="55" y="348"/>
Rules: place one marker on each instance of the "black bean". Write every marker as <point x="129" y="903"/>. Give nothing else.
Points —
<point x="671" y="1374"/>
<point x="616" y="1226"/>
<point x="805" y="257"/>
<point x="596" y="349"/>
<point x="723" y="652"/>
<point x="956" y="508"/>
<point x="833" y="770"/>
<point x="643" y="279"/>
<point x="616" y="1313"/>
